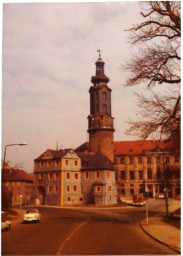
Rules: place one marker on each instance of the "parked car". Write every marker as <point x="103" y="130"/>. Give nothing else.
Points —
<point x="160" y="196"/>
<point x="5" y="222"/>
<point x="139" y="200"/>
<point x="32" y="215"/>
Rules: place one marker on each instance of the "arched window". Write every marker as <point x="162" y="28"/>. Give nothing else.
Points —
<point x="104" y="95"/>
<point x="105" y="108"/>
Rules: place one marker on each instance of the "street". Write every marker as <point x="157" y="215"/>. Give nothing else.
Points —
<point x="85" y="231"/>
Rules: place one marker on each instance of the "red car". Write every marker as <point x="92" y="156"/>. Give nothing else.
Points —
<point x="139" y="200"/>
<point x="5" y="222"/>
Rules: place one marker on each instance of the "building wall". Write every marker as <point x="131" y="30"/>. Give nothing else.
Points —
<point x="71" y="180"/>
<point x="65" y="183"/>
<point x="47" y="181"/>
<point x="53" y="187"/>
<point x="102" y="139"/>
<point x="144" y="173"/>
<point x="21" y="191"/>
<point x="98" y="188"/>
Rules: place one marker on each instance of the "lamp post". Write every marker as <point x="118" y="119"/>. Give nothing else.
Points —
<point x="165" y="185"/>
<point x="15" y="144"/>
<point x="9" y="145"/>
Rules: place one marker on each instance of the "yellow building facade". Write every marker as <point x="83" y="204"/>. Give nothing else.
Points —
<point x="149" y="167"/>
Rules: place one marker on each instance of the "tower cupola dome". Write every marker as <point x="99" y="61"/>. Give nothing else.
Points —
<point x="100" y="75"/>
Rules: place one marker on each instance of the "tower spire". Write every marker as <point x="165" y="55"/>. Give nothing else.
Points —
<point x="99" y="53"/>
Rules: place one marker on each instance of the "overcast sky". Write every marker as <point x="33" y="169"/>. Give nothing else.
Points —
<point x="49" y="55"/>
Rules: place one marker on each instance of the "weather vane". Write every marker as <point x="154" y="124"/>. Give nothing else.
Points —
<point x="99" y="52"/>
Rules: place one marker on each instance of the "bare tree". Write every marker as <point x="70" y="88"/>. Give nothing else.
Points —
<point x="6" y="164"/>
<point x="158" y="117"/>
<point x="157" y="63"/>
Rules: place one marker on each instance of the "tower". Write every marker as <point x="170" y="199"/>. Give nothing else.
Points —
<point x="100" y="121"/>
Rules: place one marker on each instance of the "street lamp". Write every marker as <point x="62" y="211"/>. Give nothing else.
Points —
<point x="15" y="144"/>
<point x="9" y="145"/>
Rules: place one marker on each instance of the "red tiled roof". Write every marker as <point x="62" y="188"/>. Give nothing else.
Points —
<point x="137" y="147"/>
<point x="16" y="175"/>
<point x="134" y="147"/>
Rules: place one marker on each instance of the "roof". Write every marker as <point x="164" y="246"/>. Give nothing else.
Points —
<point x="83" y="148"/>
<point x="16" y="175"/>
<point x="141" y="146"/>
<point x="53" y="154"/>
<point x="134" y="147"/>
<point x="96" y="161"/>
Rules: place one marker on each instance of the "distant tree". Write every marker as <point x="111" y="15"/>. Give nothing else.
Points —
<point x="6" y="165"/>
<point x="6" y="198"/>
<point x="171" y="172"/>
<point x="159" y="116"/>
<point x="157" y="63"/>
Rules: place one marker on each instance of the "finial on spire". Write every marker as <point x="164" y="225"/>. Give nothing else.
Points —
<point x="57" y="145"/>
<point x="99" y="52"/>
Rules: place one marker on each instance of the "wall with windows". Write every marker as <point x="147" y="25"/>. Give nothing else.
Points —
<point x="21" y="191"/>
<point x="145" y="173"/>
<point x="71" y="180"/>
<point x="98" y="186"/>
<point x="57" y="181"/>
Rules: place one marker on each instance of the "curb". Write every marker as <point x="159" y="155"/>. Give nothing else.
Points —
<point x="169" y="246"/>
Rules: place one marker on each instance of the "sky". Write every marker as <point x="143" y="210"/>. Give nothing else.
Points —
<point x="49" y="52"/>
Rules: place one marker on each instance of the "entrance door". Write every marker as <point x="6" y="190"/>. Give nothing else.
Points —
<point x="90" y="195"/>
<point x="42" y="195"/>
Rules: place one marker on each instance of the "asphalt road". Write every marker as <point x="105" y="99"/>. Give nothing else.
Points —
<point x="83" y="232"/>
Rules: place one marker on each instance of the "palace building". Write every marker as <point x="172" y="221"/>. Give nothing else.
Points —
<point x="103" y="171"/>
<point x="147" y="167"/>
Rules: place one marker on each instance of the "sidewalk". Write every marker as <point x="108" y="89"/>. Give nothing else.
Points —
<point x="160" y="228"/>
